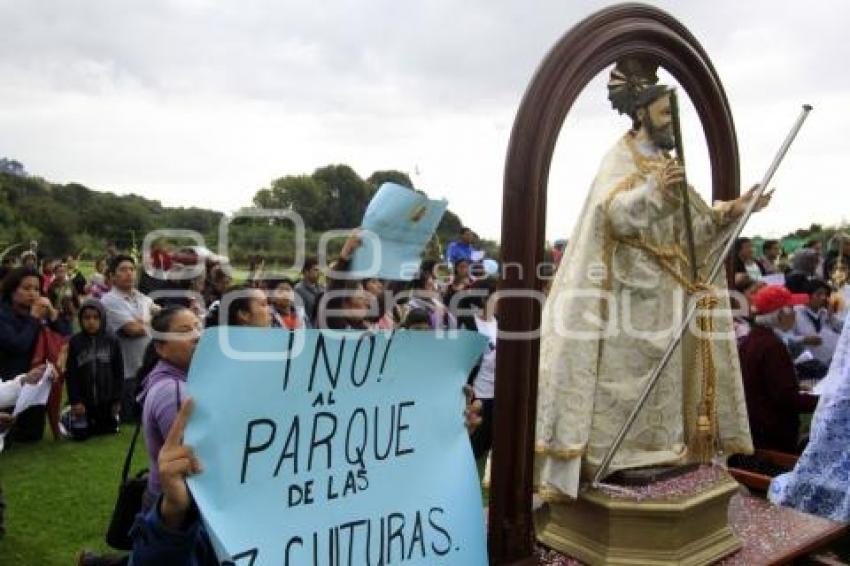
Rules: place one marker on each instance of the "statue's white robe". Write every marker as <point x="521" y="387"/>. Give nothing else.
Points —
<point x="601" y="339"/>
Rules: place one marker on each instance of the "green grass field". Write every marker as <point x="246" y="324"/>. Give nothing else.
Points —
<point x="59" y="497"/>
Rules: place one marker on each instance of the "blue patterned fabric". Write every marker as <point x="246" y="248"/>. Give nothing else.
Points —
<point x="820" y="482"/>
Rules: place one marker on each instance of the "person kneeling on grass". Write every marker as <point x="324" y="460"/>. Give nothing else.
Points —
<point x="171" y="532"/>
<point x="94" y="376"/>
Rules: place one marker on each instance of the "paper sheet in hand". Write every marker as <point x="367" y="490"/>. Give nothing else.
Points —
<point x="354" y="450"/>
<point x="774" y="279"/>
<point x="34" y="395"/>
<point x="397" y="225"/>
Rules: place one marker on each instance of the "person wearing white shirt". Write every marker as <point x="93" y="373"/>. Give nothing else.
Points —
<point x="484" y="375"/>
<point x="128" y="315"/>
<point x="814" y="319"/>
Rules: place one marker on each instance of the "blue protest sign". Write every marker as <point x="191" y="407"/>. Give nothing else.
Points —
<point x="351" y="451"/>
<point x="396" y="226"/>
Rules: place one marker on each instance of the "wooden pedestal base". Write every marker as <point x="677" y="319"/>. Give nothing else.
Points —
<point x="601" y="528"/>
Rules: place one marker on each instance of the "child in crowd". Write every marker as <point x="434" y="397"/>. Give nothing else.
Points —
<point x="94" y="376"/>
<point x="63" y="296"/>
<point x="286" y="313"/>
<point x="99" y="285"/>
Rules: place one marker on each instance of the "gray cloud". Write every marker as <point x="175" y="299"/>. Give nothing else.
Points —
<point x="235" y="93"/>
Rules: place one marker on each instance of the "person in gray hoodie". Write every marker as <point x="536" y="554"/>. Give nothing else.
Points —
<point x="94" y="375"/>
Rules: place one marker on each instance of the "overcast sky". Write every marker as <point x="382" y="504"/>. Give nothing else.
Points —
<point x="201" y="103"/>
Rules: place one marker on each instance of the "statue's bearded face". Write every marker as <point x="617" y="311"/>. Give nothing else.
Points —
<point x="657" y="119"/>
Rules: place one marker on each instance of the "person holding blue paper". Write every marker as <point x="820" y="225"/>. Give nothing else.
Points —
<point x="396" y="226"/>
<point x="172" y="531"/>
<point x="350" y="303"/>
<point x="462" y="248"/>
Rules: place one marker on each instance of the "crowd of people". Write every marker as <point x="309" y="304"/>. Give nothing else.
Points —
<point x="788" y="326"/>
<point x="130" y="331"/>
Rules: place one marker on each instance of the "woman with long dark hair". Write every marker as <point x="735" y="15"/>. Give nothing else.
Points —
<point x="163" y="375"/>
<point x="23" y="313"/>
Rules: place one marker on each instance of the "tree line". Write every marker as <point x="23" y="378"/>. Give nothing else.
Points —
<point x="75" y="219"/>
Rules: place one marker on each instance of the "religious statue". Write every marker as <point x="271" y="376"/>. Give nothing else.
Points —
<point x="618" y="296"/>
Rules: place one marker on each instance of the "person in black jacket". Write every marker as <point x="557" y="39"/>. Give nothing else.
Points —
<point x="94" y="375"/>
<point x="23" y="313"/>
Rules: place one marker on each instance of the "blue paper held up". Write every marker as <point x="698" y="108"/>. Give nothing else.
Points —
<point x="396" y="227"/>
<point x="353" y="446"/>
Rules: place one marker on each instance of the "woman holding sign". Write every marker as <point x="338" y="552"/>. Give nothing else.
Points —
<point x="163" y="377"/>
<point x="171" y="532"/>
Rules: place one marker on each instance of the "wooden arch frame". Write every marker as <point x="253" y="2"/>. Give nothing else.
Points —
<point x="587" y="49"/>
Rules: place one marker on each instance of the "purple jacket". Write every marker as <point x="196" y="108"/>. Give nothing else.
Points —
<point x="164" y="390"/>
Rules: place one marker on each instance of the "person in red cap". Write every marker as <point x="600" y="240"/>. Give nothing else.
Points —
<point x="774" y="401"/>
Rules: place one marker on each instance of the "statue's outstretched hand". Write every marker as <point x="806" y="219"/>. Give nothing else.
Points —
<point x="743" y="201"/>
<point x="763" y="201"/>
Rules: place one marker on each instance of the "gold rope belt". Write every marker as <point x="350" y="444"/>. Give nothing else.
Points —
<point x="703" y="446"/>
<point x="667" y="257"/>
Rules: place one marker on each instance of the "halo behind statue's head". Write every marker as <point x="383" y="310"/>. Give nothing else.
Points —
<point x="634" y="84"/>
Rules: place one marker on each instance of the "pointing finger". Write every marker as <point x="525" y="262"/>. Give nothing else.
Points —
<point x="175" y="434"/>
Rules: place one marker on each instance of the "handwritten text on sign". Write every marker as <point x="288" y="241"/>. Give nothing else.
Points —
<point x="352" y="451"/>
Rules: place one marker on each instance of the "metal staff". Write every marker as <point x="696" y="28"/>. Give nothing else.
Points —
<point x="692" y="309"/>
<point x="686" y="198"/>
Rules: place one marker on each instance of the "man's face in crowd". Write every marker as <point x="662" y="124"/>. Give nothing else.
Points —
<point x="657" y="120"/>
<point x="817" y="300"/>
<point x="817" y="247"/>
<point x="60" y="272"/>
<point x="787" y="318"/>
<point x="467" y="236"/>
<point x="772" y="252"/>
<point x="312" y="274"/>
<point x="124" y="276"/>
<point x="746" y="252"/>
<point x="259" y="314"/>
